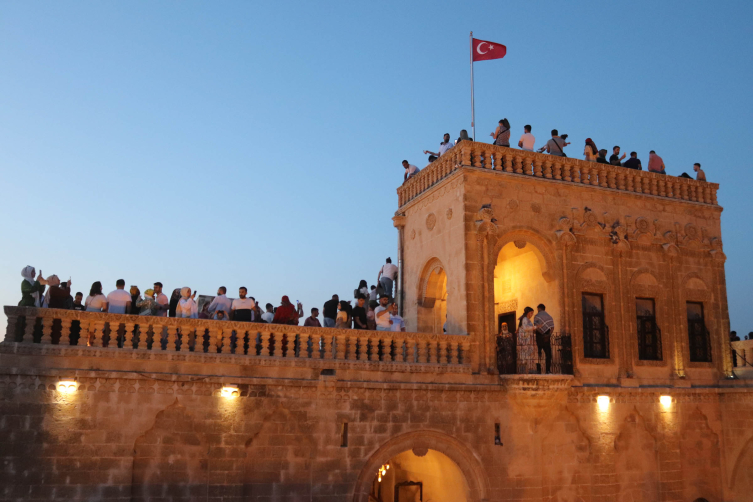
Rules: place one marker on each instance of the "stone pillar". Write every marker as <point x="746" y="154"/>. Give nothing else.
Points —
<point x="172" y="338"/>
<point x="486" y="238"/>
<point x="65" y="331"/>
<point x="46" y="330"/>
<point x="128" y="338"/>
<point x="363" y="348"/>
<point x="622" y="295"/>
<point x="398" y="222"/>
<point x="10" y="330"/>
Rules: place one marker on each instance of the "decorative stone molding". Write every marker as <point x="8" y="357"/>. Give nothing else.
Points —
<point x="449" y="213"/>
<point x="431" y="221"/>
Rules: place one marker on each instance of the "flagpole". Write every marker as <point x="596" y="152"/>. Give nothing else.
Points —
<point x="473" y="107"/>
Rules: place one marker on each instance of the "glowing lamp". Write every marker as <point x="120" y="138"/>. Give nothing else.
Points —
<point x="603" y="402"/>
<point x="230" y="391"/>
<point x="666" y="401"/>
<point x="67" y="386"/>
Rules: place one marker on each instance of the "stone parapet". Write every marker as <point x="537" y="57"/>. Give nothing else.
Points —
<point x="563" y="169"/>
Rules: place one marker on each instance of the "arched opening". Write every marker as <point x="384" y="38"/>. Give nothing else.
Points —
<point x="420" y="475"/>
<point x="522" y="278"/>
<point x="432" y="304"/>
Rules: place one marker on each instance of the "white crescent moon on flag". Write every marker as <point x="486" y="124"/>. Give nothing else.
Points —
<point x="478" y="48"/>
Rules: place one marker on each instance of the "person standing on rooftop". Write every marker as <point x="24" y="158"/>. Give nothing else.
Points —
<point x="96" y="301"/>
<point x="602" y="158"/>
<point x="119" y="300"/>
<point x="410" y="171"/>
<point x="555" y="145"/>
<point x="187" y="307"/>
<point x="615" y="158"/>
<point x="527" y="140"/>
<point x="269" y="315"/>
<point x="312" y="320"/>
<point x="633" y="162"/>
<point x="655" y="163"/>
<point x="220" y="302"/>
<point x="463" y="137"/>
<point x="387" y="275"/>
<point x="163" y="302"/>
<point x="443" y="146"/>
<point x="242" y="308"/>
<point x="31" y="288"/>
<point x="330" y="311"/>
<point x="590" y="151"/>
<point x="501" y="135"/>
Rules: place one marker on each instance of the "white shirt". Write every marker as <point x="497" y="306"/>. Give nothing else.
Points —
<point x="187" y="308"/>
<point x="95" y="303"/>
<point x="411" y="171"/>
<point x="117" y="300"/>
<point x="383" y="321"/>
<point x="220" y="302"/>
<point x="162" y="299"/>
<point x="268" y="316"/>
<point x="243" y="304"/>
<point x="373" y="294"/>
<point x="397" y="322"/>
<point x="528" y="141"/>
<point x="389" y="271"/>
<point x="443" y="147"/>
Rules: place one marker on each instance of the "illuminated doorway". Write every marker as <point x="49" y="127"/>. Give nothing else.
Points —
<point x="418" y="476"/>
<point x="432" y="305"/>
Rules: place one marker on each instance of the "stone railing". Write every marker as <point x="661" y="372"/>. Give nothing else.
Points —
<point x="565" y="169"/>
<point x="250" y="340"/>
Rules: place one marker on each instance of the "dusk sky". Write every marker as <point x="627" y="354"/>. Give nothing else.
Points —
<point x="259" y="143"/>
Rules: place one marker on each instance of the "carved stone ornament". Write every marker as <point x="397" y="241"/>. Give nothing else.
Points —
<point x="536" y="207"/>
<point x="642" y="225"/>
<point x="431" y="221"/>
<point x="413" y="234"/>
<point x="420" y="451"/>
<point x="513" y="204"/>
<point x="449" y="214"/>
<point x="590" y="219"/>
<point x="520" y="244"/>
<point x="691" y="231"/>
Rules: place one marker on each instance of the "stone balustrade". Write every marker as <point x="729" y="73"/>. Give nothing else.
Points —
<point x="564" y="169"/>
<point x="116" y="332"/>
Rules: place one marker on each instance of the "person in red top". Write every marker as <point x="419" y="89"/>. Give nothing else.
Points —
<point x="286" y="313"/>
<point x="655" y="163"/>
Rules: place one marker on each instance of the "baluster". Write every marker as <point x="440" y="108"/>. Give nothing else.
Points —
<point x="557" y="169"/>
<point x="584" y="172"/>
<point x="376" y="342"/>
<point x="518" y="164"/>
<point x="441" y="352"/>
<point x="603" y="177"/>
<point x="423" y="350"/>
<point x="621" y="180"/>
<point x="693" y="192"/>
<point x="341" y="346"/>
<point x="596" y="173"/>
<point x="465" y="154"/>
<point x="508" y="161"/>
<point x="498" y="160"/>
<point x="398" y="355"/>
<point x="647" y="184"/>
<point x="327" y="341"/>
<point x="31" y="322"/>
<point x="99" y="329"/>
<point x="303" y="348"/>
<point x="684" y="191"/>
<point x="452" y="352"/>
<point x="363" y="349"/>
<point x="157" y="332"/>
<point x="662" y="188"/>
<point x="713" y="196"/>
<point x="611" y="178"/>
<point x="566" y="168"/>
<point x="639" y="183"/>
<point x="265" y="343"/>
<point x="466" y="353"/>
<point x="10" y="330"/>
<point x="477" y="155"/>
<point x="172" y="338"/>
<point x="46" y="330"/>
<point x="629" y="181"/>
<point x="350" y="348"/>
<point x="128" y="335"/>
<point x="537" y="167"/>
<point x="411" y="351"/>
<point x="548" y="169"/>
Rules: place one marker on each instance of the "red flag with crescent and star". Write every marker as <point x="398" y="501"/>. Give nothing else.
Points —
<point x="483" y="50"/>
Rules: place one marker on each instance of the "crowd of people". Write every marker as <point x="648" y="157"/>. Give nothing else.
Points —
<point x="375" y="308"/>
<point x="555" y="146"/>
<point x="520" y="352"/>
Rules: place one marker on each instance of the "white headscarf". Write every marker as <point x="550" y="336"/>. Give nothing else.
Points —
<point x="186" y="306"/>
<point x="28" y="274"/>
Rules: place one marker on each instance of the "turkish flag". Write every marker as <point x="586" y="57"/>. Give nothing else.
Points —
<point x="483" y="50"/>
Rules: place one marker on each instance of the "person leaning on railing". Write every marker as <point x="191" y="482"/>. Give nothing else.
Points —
<point x="544" y="325"/>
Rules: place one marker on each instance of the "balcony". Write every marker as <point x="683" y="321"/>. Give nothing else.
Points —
<point x="561" y="169"/>
<point x="742" y="359"/>
<point x="47" y="331"/>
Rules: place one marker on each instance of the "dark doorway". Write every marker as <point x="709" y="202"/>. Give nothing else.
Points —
<point x="510" y="318"/>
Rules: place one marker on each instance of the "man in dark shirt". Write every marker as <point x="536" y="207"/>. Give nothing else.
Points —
<point x="77" y="305"/>
<point x="633" y="162"/>
<point x="602" y="158"/>
<point x="615" y="159"/>
<point x="360" y="321"/>
<point x="330" y="311"/>
<point x="313" y="321"/>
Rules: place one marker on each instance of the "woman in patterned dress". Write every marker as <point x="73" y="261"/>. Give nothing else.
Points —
<point x="526" y="343"/>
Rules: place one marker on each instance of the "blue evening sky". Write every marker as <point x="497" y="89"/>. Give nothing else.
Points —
<point x="259" y="143"/>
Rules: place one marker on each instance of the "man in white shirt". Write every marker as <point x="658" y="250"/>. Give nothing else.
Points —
<point x="242" y="308"/>
<point x="396" y="322"/>
<point x="163" y="302"/>
<point x="269" y="315"/>
<point x="410" y="171"/>
<point x="443" y="146"/>
<point x="387" y="274"/>
<point x="119" y="301"/>
<point x="382" y="314"/>
<point x="527" y="140"/>
<point x="220" y="303"/>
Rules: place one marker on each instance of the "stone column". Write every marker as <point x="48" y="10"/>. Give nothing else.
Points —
<point x="622" y="294"/>
<point x="65" y="331"/>
<point x="10" y="330"/>
<point x="486" y="237"/>
<point x="398" y="222"/>
<point x="46" y="330"/>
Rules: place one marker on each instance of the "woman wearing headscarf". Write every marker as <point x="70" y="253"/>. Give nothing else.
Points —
<point x="174" y="299"/>
<point x="187" y="307"/>
<point x="526" y="343"/>
<point x="135" y="298"/>
<point x="286" y="313"/>
<point x="590" y="151"/>
<point x="505" y="351"/>
<point x="96" y="301"/>
<point x="31" y="289"/>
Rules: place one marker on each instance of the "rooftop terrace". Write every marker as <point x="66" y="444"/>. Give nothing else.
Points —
<point x="562" y="169"/>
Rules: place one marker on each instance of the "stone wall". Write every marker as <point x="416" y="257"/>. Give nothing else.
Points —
<point x="155" y="435"/>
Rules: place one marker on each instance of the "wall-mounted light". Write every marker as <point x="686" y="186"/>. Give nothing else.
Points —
<point x="67" y="385"/>
<point x="603" y="402"/>
<point x="666" y="401"/>
<point x="230" y="391"/>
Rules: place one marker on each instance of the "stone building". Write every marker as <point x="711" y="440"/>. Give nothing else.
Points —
<point x="642" y="405"/>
